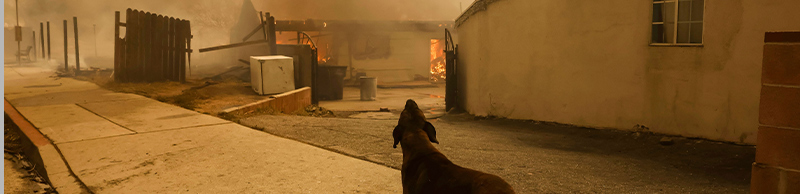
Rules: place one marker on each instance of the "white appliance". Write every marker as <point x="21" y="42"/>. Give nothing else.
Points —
<point x="271" y="74"/>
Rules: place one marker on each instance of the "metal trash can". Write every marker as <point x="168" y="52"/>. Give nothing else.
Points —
<point x="369" y="88"/>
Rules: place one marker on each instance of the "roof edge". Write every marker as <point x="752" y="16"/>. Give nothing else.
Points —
<point x="477" y="6"/>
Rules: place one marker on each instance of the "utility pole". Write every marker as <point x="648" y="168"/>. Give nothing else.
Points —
<point x="35" y="55"/>
<point x="66" y="58"/>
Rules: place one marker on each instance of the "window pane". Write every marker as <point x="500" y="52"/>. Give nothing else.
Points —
<point x="697" y="10"/>
<point x="683" y="32"/>
<point x="668" y="12"/>
<point x="658" y="12"/>
<point x="697" y="33"/>
<point x="658" y="34"/>
<point x="684" y="9"/>
<point x="664" y="12"/>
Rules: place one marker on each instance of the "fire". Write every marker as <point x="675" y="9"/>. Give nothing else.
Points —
<point x="437" y="61"/>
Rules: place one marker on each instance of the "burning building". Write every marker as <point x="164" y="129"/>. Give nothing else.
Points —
<point x="393" y="50"/>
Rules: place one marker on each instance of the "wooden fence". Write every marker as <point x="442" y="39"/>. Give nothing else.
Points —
<point x="155" y="48"/>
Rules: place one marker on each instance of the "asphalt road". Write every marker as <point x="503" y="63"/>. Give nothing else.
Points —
<point x="541" y="158"/>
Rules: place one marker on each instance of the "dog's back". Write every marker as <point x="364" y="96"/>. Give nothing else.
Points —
<point x="426" y="170"/>
<point x="436" y="174"/>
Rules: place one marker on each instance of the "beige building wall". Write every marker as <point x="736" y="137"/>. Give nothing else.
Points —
<point x="589" y="63"/>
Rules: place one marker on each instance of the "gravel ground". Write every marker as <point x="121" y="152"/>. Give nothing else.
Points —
<point x="542" y="158"/>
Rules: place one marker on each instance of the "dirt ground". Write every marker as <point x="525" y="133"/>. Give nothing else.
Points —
<point x="209" y="96"/>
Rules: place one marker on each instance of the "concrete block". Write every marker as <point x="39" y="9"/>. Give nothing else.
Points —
<point x="780" y="106"/>
<point x="781" y="64"/>
<point x="764" y="180"/>
<point x="778" y="147"/>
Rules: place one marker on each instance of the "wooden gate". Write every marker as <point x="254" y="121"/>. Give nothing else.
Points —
<point x="155" y="48"/>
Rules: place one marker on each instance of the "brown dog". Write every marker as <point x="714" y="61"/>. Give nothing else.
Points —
<point x="426" y="170"/>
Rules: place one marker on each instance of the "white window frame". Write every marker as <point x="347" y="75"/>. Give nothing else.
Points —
<point x="675" y="28"/>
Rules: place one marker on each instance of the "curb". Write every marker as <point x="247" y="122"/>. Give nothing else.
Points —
<point x="44" y="155"/>
<point x="286" y="102"/>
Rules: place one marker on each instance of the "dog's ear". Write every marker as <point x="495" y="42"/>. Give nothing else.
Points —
<point x="398" y="135"/>
<point x="431" y="131"/>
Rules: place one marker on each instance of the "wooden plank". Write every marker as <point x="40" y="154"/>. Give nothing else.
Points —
<point x="258" y="28"/>
<point x="125" y="59"/>
<point x="182" y="50"/>
<point x="174" y="49"/>
<point x="142" y="48"/>
<point x="152" y="60"/>
<point x="202" y="50"/>
<point x="158" y="70"/>
<point x="165" y="49"/>
<point x="147" y="47"/>
<point x="130" y="45"/>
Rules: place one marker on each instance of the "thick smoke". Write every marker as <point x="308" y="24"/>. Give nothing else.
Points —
<point x="211" y="20"/>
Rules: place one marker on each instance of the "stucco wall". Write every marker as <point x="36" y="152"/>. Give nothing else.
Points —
<point x="589" y="63"/>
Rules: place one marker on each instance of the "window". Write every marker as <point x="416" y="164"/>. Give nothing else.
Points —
<point x="677" y="22"/>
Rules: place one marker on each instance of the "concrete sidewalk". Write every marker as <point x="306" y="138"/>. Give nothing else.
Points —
<point x="124" y="143"/>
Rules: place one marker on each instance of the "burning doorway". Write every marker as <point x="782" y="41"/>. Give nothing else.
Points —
<point x="437" y="61"/>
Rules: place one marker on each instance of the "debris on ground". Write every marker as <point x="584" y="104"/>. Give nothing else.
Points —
<point x="666" y="141"/>
<point x="236" y="72"/>
<point x="315" y="111"/>
<point x="384" y="109"/>
<point x="11" y="139"/>
<point x="27" y="180"/>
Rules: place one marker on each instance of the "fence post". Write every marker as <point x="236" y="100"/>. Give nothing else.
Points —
<point x="66" y="50"/>
<point x="41" y="37"/>
<point x="189" y="46"/>
<point x="48" y="40"/>
<point x="272" y="36"/>
<point x="35" y="56"/>
<point x="77" y="51"/>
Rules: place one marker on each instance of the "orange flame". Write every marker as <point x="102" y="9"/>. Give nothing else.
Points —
<point x="437" y="61"/>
